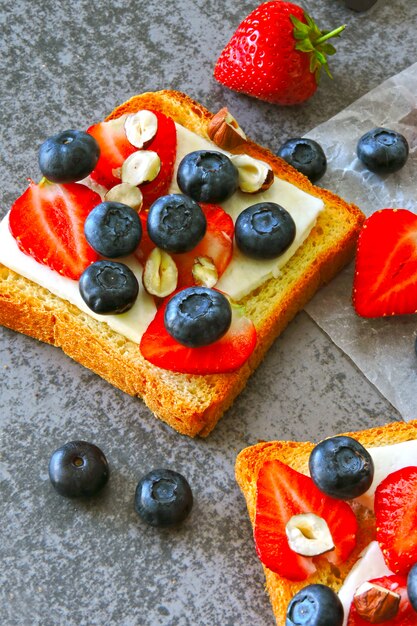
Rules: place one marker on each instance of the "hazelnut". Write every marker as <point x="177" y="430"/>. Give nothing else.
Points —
<point x="254" y="175"/>
<point x="205" y="272"/>
<point x="127" y="194"/>
<point x="140" y="167"/>
<point x="308" y="534"/>
<point x="141" y="127"/>
<point x="375" y="604"/>
<point x="160" y="276"/>
<point x="225" y="131"/>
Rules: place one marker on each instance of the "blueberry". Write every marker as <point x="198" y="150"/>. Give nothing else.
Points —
<point x="198" y="316"/>
<point x="315" y="605"/>
<point x="359" y="5"/>
<point x="68" y="156"/>
<point x="264" y="230"/>
<point x="306" y="155"/>
<point x="176" y="223"/>
<point x="207" y="176"/>
<point x="383" y="151"/>
<point x="108" y="287"/>
<point x="163" y="498"/>
<point x="113" y="229"/>
<point x="341" y="467"/>
<point x="412" y="586"/>
<point x="78" y="469"/>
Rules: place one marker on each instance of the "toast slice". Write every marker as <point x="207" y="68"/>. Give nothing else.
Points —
<point x="296" y="455"/>
<point x="191" y="404"/>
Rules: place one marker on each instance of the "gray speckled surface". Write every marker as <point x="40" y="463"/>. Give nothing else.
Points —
<point x="67" y="563"/>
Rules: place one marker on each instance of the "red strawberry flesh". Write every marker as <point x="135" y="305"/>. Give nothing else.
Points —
<point x="47" y="221"/>
<point x="385" y="280"/>
<point x="406" y="616"/>
<point x="282" y="492"/>
<point x="396" y="519"/>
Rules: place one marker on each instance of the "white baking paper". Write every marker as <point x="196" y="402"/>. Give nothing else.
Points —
<point x="383" y="349"/>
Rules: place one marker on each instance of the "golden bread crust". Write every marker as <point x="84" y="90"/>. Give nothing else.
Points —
<point x="190" y="404"/>
<point x="296" y="455"/>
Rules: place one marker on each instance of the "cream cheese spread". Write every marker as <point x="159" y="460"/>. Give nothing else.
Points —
<point x="241" y="277"/>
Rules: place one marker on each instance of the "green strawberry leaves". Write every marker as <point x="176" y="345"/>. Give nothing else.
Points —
<point x="311" y="40"/>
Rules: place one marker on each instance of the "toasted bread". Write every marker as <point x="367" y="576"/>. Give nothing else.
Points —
<point x="296" y="455"/>
<point x="192" y="404"/>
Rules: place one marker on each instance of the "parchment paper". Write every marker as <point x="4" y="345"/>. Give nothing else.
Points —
<point x="383" y="349"/>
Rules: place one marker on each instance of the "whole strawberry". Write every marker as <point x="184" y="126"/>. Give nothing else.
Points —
<point x="276" y="54"/>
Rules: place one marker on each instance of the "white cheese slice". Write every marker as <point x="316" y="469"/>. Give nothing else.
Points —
<point x="131" y="324"/>
<point x="371" y="564"/>
<point x="388" y="459"/>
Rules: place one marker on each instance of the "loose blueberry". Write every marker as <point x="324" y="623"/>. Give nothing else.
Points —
<point x="68" y="156"/>
<point x="306" y="155"/>
<point x="315" y="605"/>
<point x="412" y="586"/>
<point x="198" y="316"/>
<point x="78" y="469"/>
<point x="176" y="223"/>
<point x="163" y="498"/>
<point x="264" y="230"/>
<point x="207" y="176"/>
<point x="108" y="287"/>
<point x="341" y="467"/>
<point x="383" y="151"/>
<point x="113" y="229"/>
<point x="359" y="5"/>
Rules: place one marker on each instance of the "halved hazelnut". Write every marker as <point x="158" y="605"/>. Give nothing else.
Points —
<point x="141" y="167"/>
<point x="205" y="272"/>
<point x="308" y="534"/>
<point x="375" y="604"/>
<point x="225" y="131"/>
<point x="141" y="127"/>
<point x="254" y="175"/>
<point x="126" y="194"/>
<point x="160" y="275"/>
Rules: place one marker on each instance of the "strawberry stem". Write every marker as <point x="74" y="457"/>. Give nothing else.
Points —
<point x="44" y="181"/>
<point x="332" y="33"/>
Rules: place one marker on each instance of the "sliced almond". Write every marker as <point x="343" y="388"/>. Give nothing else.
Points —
<point x="309" y="535"/>
<point x="254" y="175"/>
<point x="205" y="272"/>
<point x="160" y="276"/>
<point x="141" y="167"/>
<point x="224" y="130"/>
<point x="126" y="194"/>
<point x="141" y="128"/>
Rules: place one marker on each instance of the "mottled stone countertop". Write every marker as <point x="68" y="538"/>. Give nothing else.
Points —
<point x="66" y="563"/>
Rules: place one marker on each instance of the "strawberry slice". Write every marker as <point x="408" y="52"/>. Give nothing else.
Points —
<point x="282" y="492"/>
<point x="47" y="222"/>
<point x="224" y="355"/>
<point x="396" y="519"/>
<point x="115" y="148"/>
<point x="405" y="616"/>
<point x="385" y="280"/>
<point x="217" y="245"/>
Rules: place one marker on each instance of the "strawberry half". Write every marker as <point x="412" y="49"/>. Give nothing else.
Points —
<point x="405" y="616"/>
<point x="224" y="355"/>
<point x="282" y="492"/>
<point x="385" y="281"/>
<point x="115" y="148"/>
<point x="396" y="519"/>
<point x="276" y="54"/>
<point x="217" y="244"/>
<point x="47" y="222"/>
